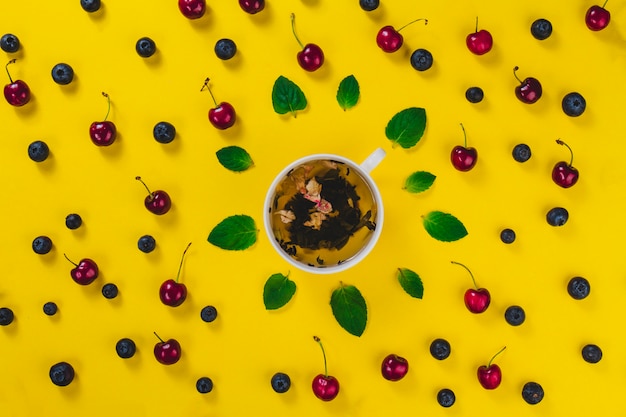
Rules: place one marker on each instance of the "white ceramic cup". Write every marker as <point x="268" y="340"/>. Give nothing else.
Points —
<point x="367" y="237"/>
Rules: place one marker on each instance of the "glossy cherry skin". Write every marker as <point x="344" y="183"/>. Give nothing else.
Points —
<point x="597" y="18"/>
<point x="325" y="387"/>
<point x="529" y="91"/>
<point x="172" y="293"/>
<point x="223" y="116"/>
<point x="103" y="133"/>
<point x="85" y="272"/>
<point x="479" y="42"/>
<point x="158" y="202"/>
<point x="311" y="57"/>
<point x="477" y="300"/>
<point x="489" y="377"/>
<point x="394" y="367"/>
<point x="17" y="93"/>
<point x="192" y="9"/>
<point x="167" y="352"/>
<point x="564" y="175"/>
<point x="388" y="39"/>
<point x="252" y="6"/>
<point x="463" y="158"/>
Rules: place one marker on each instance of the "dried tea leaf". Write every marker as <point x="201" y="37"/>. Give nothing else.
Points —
<point x="349" y="309"/>
<point x="411" y="282"/>
<point x="236" y="232"/>
<point x="348" y="92"/>
<point x="234" y="158"/>
<point x="419" y="181"/>
<point x="443" y="226"/>
<point x="406" y="127"/>
<point x="287" y="97"/>
<point x="278" y="291"/>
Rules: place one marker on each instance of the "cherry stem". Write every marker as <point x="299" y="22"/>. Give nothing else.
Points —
<point x="108" y="104"/>
<point x="317" y="339"/>
<point x="416" y="20"/>
<point x="515" y="74"/>
<point x="293" y="29"/>
<point x="181" y="261"/>
<point x="605" y="2"/>
<point x="138" y="178"/>
<point x="6" y="67"/>
<point x="476" y="23"/>
<point x="206" y="85"/>
<point x="159" y="337"/>
<point x="74" y="263"/>
<point x="468" y="270"/>
<point x="560" y="142"/>
<point x="464" y="135"/>
<point x="494" y="356"/>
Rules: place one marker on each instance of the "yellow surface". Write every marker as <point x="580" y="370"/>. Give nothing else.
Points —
<point x="246" y="344"/>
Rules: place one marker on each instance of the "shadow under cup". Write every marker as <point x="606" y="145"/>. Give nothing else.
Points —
<point x="324" y="213"/>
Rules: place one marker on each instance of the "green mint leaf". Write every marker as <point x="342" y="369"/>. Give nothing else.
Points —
<point x="236" y="232"/>
<point x="234" y="158"/>
<point x="411" y="282"/>
<point x="287" y="97"/>
<point x="278" y="291"/>
<point x="444" y="226"/>
<point x="349" y="309"/>
<point x="407" y="127"/>
<point x="419" y="181"/>
<point x="348" y="92"/>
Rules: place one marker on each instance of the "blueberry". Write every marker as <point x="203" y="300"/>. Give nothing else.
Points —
<point x="109" y="291"/>
<point x="145" y="47"/>
<point x="440" y="349"/>
<point x="146" y="243"/>
<point x="73" y="221"/>
<point x="90" y="5"/>
<point x="9" y="43"/>
<point x="281" y="382"/>
<point x="42" y="245"/>
<point x="557" y="216"/>
<point x="164" y="132"/>
<point x="62" y="74"/>
<point x="507" y="236"/>
<point x="521" y="152"/>
<point x="38" y="151"/>
<point x="541" y="29"/>
<point x="125" y="348"/>
<point x="515" y="315"/>
<point x="574" y="104"/>
<point x="369" y="5"/>
<point x="446" y="397"/>
<point x="6" y="316"/>
<point x="225" y="49"/>
<point x="421" y="59"/>
<point x="61" y="374"/>
<point x="578" y="288"/>
<point x="474" y="94"/>
<point x="208" y="314"/>
<point x="532" y="393"/>
<point x="204" y="385"/>
<point x="592" y="353"/>
<point x="50" y="308"/>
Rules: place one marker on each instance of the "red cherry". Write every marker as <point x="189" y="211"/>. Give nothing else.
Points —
<point x="480" y="42"/>
<point x="462" y="157"/>
<point x="172" y="293"/>
<point x="394" y="367"/>
<point x="490" y="375"/>
<point x="167" y="352"/>
<point x="597" y="17"/>
<point x="476" y="299"/>
<point x="311" y="56"/>
<point x="389" y="39"/>
<point x="16" y="93"/>
<point x="223" y="115"/>
<point x="252" y="6"/>
<point x="529" y="90"/>
<point x="157" y="202"/>
<point x="84" y="272"/>
<point x="192" y="9"/>
<point x="564" y="174"/>
<point x="325" y="387"/>
<point x="103" y="133"/>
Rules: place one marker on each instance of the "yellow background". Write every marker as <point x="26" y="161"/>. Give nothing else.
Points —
<point x="246" y="345"/>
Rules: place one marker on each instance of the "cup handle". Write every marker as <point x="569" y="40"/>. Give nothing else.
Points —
<point x="373" y="160"/>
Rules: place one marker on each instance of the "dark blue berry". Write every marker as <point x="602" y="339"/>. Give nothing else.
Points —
<point x="38" y="151"/>
<point x="6" y="316"/>
<point x="9" y="43"/>
<point x="557" y="216"/>
<point x="521" y="152"/>
<point x="446" y="397"/>
<point x="541" y="29"/>
<point x="62" y="74"/>
<point x="515" y="315"/>
<point x="578" y="288"/>
<point x="574" y="104"/>
<point x="125" y="348"/>
<point x="532" y="393"/>
<point x="146" y="243"/>
<point x="440" y="349"/>
<point x="90" y="5"/>
<point x="592" y="353"/>
<point x="204" y="385"/>
<point x="73" y="221"/>
<point x="474" y="94"/>
<point x="507" y="236"/>
<point x="225" y="49"/>
<point x="145" y="47"/>
<point x="369" y="5"/>
<point x="281" y="382"/>
<point x="208" y="314"/>
<point x="61" y="374"/>
<point x="109" y="291"/>
<point x="164" y="132"/>
<point x="50" y="308"/>
<point x="42" y="245"/>
<point x="421" y="59"/>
